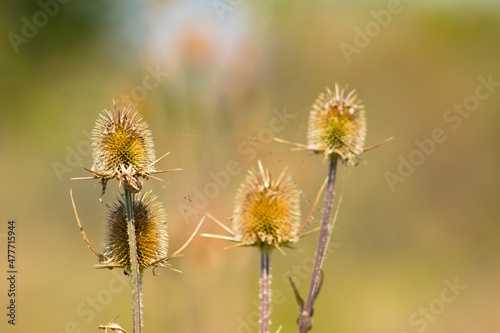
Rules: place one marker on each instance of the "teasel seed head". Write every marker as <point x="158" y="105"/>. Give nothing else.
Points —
<point x="151" y="233"/>
<point x="122" y="149"/>
<point x="267" y="211"/>
<point x="337" y="125"/>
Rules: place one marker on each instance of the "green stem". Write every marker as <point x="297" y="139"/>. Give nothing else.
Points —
<point x="265" y="290"/>
<point x="136" y="278"/>
<point x="305" y="318"/>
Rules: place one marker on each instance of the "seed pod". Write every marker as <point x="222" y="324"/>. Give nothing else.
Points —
<point x="267" y="210"/>
<point x="122" y="149"/>
<point x="150" y="229"/>
<point x="337" y="125"/>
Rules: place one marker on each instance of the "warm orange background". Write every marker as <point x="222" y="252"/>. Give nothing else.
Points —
<point x="394" y="252"/>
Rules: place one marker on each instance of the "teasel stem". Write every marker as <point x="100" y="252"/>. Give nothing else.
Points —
<point x="305" y="318"/>
<point x="265" y="289"/>
<point x="134" y="264"/>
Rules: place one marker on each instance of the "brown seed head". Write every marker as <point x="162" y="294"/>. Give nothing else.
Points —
<point x="151" y="233"/>
<point x="337" y="125"/>
<point x="123" y="148"/>
<point x="267" y="210"/>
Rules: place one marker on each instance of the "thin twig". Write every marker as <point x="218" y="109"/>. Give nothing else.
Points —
<point x="299" y="232"/>
<point x="305" y="318"/>
<point x="178" y="253"/>
<point x="100" y="256"/>
<point x="231" y="239"/>
<point x="222" y="225"/>
<point x="113" y="326"/>
<point x="378" y="144"/>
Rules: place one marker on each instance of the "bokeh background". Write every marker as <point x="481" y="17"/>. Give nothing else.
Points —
<point x="209" y="77"/>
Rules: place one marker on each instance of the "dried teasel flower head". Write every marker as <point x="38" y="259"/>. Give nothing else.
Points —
<point x="267" y="211"/>
<point x="337" y="125"/>
<point x="150" y="228"/>
<point x="122" y="149"/>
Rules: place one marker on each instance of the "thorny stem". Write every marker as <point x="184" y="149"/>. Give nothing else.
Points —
<point x="265" y="290"/>
<point x="134" y="265"/>
<point x="305" y="318"/>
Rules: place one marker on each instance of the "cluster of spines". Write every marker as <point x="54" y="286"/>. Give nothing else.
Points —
<point x="267" y="210"/>
<point x="123" y="149"/>
<point x="337" y="124"/>
<point x="150" y="228"/>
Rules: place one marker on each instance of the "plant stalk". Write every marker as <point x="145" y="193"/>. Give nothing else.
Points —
<point x="136" y="278"/>
<point x="305" y="318"/>
<point x="265" y="290"/>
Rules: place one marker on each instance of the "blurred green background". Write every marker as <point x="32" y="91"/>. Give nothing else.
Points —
<point x="210" y="77"/>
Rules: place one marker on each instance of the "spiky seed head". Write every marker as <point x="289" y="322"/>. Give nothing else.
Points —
<point x="122" y="148"/>
<point x="337" y="124"/>
<point x="267" y="210"/>
<point x="150" y="229"/>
